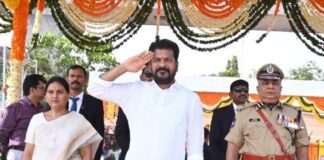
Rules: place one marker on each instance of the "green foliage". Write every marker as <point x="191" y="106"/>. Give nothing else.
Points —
<point x="231" y="69"/>
<point x="310" y="71"/>
<point x="54" y="54"/>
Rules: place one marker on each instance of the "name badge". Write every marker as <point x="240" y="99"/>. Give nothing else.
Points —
<point x="254" y="120"/>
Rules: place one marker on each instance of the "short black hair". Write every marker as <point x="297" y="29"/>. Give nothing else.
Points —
<point x="31" y="81"/>
<point x="60" y="80"/>
<point x="165" y="44"/>
<point x="239" y="82"/>
<point x="77" y="67"/>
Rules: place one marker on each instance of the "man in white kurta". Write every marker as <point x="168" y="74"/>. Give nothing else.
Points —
<point x="165" y="119"/>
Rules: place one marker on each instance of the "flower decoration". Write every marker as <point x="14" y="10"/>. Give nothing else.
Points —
<point x="222" y="22"/>
<point x="89" y="24"/>
<point x="17" y="54"/>
<point x="37" y="22"/>
<point x="5" y="18"/>
<point x="306" y="19"/>
<point x="12" y="4"/>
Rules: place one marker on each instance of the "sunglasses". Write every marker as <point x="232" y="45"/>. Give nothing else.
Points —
<point x="241" y="90"/>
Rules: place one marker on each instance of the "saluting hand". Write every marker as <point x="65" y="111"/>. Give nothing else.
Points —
<point x="137" y="62"/>
<point x="132" y="64"/>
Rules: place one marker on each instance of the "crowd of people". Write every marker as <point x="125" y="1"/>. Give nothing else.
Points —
<point x="70" y="126"/>
<point x="159" y="119"/>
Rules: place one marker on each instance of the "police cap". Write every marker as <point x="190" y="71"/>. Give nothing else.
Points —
<point x="270" y="72"/>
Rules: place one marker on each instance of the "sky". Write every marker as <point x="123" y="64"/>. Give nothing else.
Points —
<point x="281" y="48"/>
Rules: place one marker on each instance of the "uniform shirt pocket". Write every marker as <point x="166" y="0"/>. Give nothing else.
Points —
<point x="255" y="130"/>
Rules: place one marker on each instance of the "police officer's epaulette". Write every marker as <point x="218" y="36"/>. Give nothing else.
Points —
<point x="249" y="105"/>
<point x="290" y="106"/>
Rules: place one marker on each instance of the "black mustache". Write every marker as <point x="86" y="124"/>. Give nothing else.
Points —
<point x="243" y="96"/>
<point x="163" y="69"/>
<point x="77" y="82"/>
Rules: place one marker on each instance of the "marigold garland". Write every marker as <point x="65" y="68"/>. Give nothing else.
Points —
<point x="19" y="31"/>
<point x="310" y="106"/>
<point x="217" y="9"/>
<point x="97" y="8"/>
<point x="5" y="18"/>
<point x="313" y="41"/>
<point x="219" y="23"/>
<point x="224" y="101"/>
<point x="312" y="15"/>
<point x="91" y="42"/>
<point x="203" y="42"/>
<point x="99" y="25"/>
<point x="12" y="4"/>
<point x="14" y="81"/>
<point x="90" y="24"/>
<point x="216" y="27"/>
<point x="318" y="4"/>
<point x="5" y="13"/>
<point x="20" y="18"/>
<point x="37" y="22"/>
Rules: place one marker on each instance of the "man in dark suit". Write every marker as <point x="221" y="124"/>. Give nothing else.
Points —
<point x="223" y="117"/>
<point x="208" y="154"/>
<point x="91" y="108"/>
<point x="122" y="128"/>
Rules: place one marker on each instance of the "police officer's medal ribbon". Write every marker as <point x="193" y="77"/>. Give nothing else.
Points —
<point x="288" y="122"/>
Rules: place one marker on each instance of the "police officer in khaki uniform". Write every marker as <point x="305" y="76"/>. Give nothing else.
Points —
<point x="268" y="130"/>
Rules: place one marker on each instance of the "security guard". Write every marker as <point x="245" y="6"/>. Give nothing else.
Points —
<point x="268" y="130"/>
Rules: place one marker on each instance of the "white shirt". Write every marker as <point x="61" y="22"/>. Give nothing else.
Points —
<point x="164" y="124"/>
<point x="237" y="107"/>
<point x="79" y="102"/>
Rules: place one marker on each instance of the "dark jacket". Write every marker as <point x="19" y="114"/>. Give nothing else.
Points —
<point x="92" y="110"/>
<point x="122" y="133"/>
<point x="220" y="125"/>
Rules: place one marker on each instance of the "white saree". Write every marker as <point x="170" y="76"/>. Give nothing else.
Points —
<point x="61" y="138"/>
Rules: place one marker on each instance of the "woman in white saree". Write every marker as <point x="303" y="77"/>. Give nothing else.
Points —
<point x="59" y="134"/>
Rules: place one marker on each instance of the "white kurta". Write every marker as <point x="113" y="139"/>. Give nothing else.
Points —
<point x="61" y="138"/>
<point x="164" y="124"/>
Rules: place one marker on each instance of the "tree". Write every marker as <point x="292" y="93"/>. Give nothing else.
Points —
<point x="231" y="69"/>
<point x="310" y="71"/>
<point x="54" y="54"/>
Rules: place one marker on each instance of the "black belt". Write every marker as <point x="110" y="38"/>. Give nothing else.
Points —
<point x="19" y="148"/>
